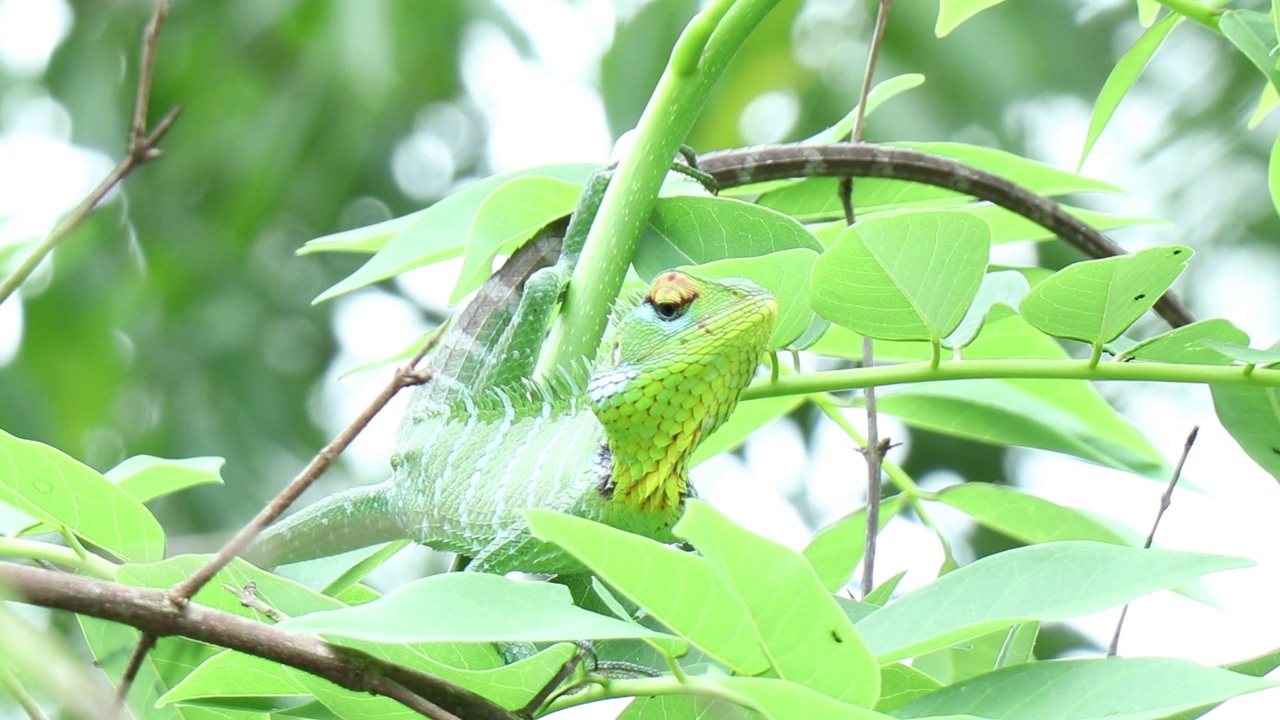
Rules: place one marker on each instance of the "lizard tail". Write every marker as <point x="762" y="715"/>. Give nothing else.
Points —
<point x="348" y="520"/>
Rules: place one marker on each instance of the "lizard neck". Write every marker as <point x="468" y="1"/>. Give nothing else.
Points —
<point x="677" y="365"/>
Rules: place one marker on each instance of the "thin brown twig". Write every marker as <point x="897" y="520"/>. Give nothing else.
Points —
<point x="405" y="376"/>
<point x="146" y="644"/>
<point x="875" y="449"/>
<point x="141" y="150"/>
<point x="1166" y="499"/>
<point x="150" y="611"/>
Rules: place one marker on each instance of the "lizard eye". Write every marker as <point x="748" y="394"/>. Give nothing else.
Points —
<point x="671" y="295"/>
<point x="668" y="310"/>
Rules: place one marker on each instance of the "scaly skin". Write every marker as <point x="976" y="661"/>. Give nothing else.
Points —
<point x="617" y="451"/>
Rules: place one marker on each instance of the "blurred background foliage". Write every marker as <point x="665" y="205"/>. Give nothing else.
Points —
<point x="178" y="321"/>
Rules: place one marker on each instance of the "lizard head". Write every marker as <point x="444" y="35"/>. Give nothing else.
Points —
<point x="672" y="375"/>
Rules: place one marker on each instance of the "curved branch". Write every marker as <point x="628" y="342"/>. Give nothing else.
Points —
<point x="745" y="166"/>
<point x="150" y="611"/>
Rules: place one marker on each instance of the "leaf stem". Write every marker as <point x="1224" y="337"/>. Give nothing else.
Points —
<point x="87" y="564"/>
<point x="1203" y="14"/>
<point x="837" y="380"/>
<point x="651" y="687"/>
<point x="701" y="54"/>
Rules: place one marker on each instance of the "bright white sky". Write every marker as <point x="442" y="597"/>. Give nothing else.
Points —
<point x="41" y="175"/>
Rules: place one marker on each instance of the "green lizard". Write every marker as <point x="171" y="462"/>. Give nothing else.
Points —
<point x="482" y="441"/>
<point x="483" y="433"/>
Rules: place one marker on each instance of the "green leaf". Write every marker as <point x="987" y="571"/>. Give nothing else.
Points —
<point x="1147" y="12"/>
<point x="368" y="239"/>
<point x="1252" y="416"/>
<point x="805" y="634"/>
<point x="1243" y="353"/>
<point x="693" y="230"/>
<point x="883" y="91"/>
<point x="1267" y="101"/>
<point x="1123" y="76"/>
<point x="1273" y="173"/>
<point x="904" y="277"/>
<point x="837" y="548"/>
<point x="1047" y="582"/>
<point x="1255" y="37"/>
<point x="781" y="700"/>
<point x="816" y="198"/>
<point x="439" y="232"/>
<point x="951" y="13"/>
<point x="1109" y="689"/>
<point x="57" y="489"/>
<point x="1004" y="287"/>
<point x="511" y="214"/>
<point x="785" y="274"/>
<point x="748" y="417"/>
<point x="684" y="707"/>
<point x="1096" y="300"/>
<point x="1003" y="648"/>
<point x="900" y="684"/>
<point x="1067" y="416"/>
<point x="146" y="477"/>
<point x="644" y="571"/>
<point x="473" y="607"/>
<point x="1184" y="345"/>
<point x="1031" y="519"/>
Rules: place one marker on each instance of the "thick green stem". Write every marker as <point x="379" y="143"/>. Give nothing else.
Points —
<point x="65" y="557"/>
<point x="711" y="39"/>
<point x="836" y="380"/>
<point x="1203" y="14"/>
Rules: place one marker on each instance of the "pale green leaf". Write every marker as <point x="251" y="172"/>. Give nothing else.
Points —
<point x="803" y="631"/>
<point x="1067" y="416"/>
<point x="472" y="607"/>
<point x="951" y="13"/>
<point x="644" y="571"/>
<point x="1267" y="101"/>
<point x="58" y="490"/>
<point x="439" y="232"/>
<point x="1243" y="353"/>
<point x="1183" y="345"/>
<point x="693" y="230"/>
<point x="1102" y="689"/>
<point x="1031" y="519"/>
<point x="908" y="277"/>
<point x="883" y="91"/>
<point x="837" y="548"/>
<point x="1147" y="12"/>
<point x="1002" y="648"/>
<point x="1255" y="37"/>
<point x="1123" y="76"/>
<point x="1252" y="416"/>
<point x="785" y="274"/>
<point x="1004" y="287"/>
<point x="1096" y="300"/>
<point x="1047" y="582"/>
<point x="146" y="477"/>
<point x="510" y="214"/>
<point x="781" y="700"/>
<point x="1273" y="173"/>
<point x="900" y="684"/>
<point x="368" y="239"/>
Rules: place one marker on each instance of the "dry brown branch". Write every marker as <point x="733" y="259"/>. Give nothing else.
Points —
<point x="141" y="150"/>
<point x="150" y="611"/>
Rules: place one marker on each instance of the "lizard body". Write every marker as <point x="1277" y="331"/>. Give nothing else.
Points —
<point x="482" y="441"/>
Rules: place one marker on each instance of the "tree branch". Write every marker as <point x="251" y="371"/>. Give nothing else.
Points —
<point x="142" y="149"/>
<point x="150" y="611"/>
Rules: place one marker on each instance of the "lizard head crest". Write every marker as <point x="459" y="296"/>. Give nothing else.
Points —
<point x="678" y="362"/>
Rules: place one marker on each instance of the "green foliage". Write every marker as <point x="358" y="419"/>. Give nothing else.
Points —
<point x="744" y="627"/>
